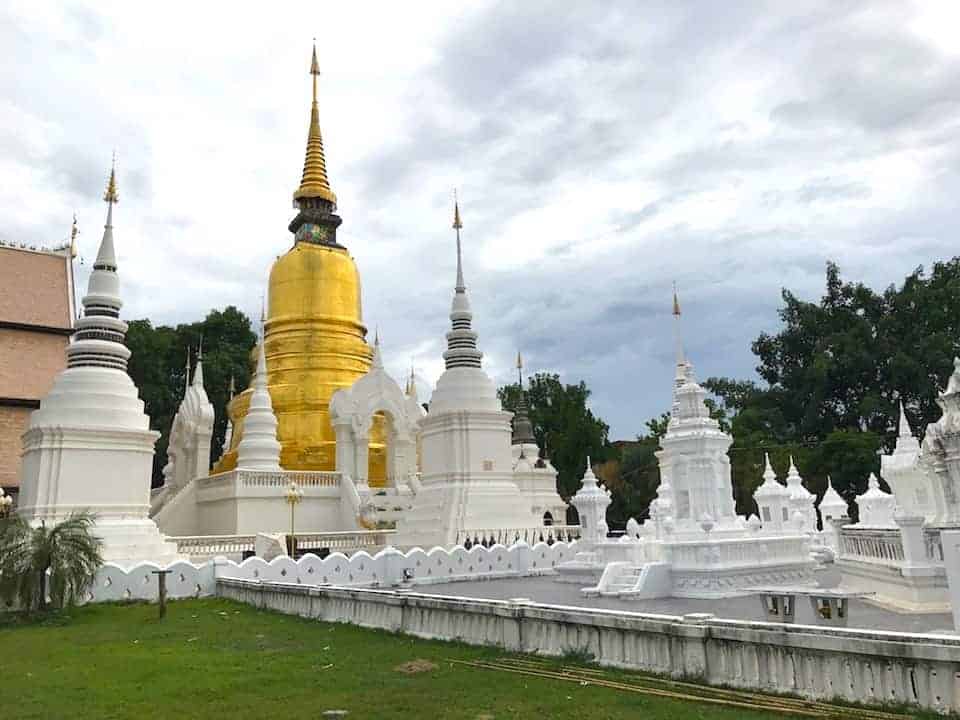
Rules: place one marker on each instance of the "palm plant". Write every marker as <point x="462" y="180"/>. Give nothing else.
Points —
<point x="69" y="551"/>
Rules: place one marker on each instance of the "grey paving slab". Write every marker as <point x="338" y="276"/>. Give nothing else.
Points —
<point x="548" y="590"/>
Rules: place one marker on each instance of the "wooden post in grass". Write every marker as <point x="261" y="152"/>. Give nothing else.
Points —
<point x="162" y="590"/>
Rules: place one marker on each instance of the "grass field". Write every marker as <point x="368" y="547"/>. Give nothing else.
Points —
<point x="216" y="659"/>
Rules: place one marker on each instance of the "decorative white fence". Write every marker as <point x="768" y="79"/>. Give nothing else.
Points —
<point x="387" y="567"/>
<point x="811" y="661"/>
<point x="508" y="536"/>
<point x="883" y="546"/>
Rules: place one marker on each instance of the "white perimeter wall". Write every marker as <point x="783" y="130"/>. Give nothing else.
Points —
<point x="811" y="661"/>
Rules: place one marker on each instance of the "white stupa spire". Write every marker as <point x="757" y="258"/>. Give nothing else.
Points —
<point x="677" y="339"/>
<point x="461" y="340"/>
<point x="98" y="340"/>
<point x="770" y="487"/>
<point x="198" y="370"/>
<point x="906" y="442"/>
<point x="377" y="363"/>
<point x="259" y="448"/>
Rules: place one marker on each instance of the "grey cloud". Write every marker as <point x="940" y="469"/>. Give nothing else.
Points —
<point x="832" y="190"/>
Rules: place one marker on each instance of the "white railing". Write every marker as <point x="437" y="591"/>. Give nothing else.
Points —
<point x="733" y="552"/>
<point x="272" y="479"/>
<point x="303" y="478"/>
<point x="211" y="545"/>
<point x="509" y="536"/>
<point x="879" y="546"/>
<point x="344" y="541"/>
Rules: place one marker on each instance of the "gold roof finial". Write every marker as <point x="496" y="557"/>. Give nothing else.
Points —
<point x="457" y="224"/>
<point x="519" y="369"/>
<point x="110" y="195"/>
<point x="314" y="183"/>
<point x="676" y="301"/>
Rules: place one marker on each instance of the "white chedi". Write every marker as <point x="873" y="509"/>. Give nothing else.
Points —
<point x="831" y="505"/>
<point x="773" y="499"/>
<point x="259" y="448"/>
<point x="876" y="507"/>
<point x="801" y="500"/>
<point x="591" y="502"/>
<point x="89" y="446"/>
<point x="188" y="450"/>
<point x="911" y="481"/>
<point x="467" y="481"/>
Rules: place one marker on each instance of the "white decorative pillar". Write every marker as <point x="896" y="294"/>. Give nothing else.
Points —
<point x="591" y="502"/>
<point x="911" y="538"/>
<point x="345" y="457"/>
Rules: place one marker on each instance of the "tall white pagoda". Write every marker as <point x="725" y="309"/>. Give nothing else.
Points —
<point x="89" y="446"/>
<point x="467" y="478"/>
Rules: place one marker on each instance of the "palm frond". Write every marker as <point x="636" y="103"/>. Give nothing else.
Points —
<point x="70" y="551"/>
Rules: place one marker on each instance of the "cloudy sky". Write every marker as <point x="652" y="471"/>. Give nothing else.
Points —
<point x="602" y="151"/>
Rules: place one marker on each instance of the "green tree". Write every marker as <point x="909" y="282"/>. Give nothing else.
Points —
<point x="635" y="483"/>
<point x="158" y="367"/>
<point x="835" y="372"/>
<point x="566" y="429"/>
<point x="70" y="551"/>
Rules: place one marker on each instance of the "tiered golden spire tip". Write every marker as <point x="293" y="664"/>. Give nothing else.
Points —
<point x="110" y="195"/>
<point x="314" y="183"/>
<point x="676" y="301"/>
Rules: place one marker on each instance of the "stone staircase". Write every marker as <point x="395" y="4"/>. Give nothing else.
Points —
<point x="628" y="580"/>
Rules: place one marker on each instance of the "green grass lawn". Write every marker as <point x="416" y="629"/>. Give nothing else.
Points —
<point x="216" y="659"/>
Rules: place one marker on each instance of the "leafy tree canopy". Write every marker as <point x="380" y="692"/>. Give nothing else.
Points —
<point x="566" y="429"/>
<point x="834" y="374"/>
<point x="158" y="367"/>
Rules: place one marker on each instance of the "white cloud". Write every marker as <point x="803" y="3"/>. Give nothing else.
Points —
<point x="601" y="153"/>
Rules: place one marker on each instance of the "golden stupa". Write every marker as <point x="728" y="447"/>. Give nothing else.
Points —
<point x="314" y="337"/>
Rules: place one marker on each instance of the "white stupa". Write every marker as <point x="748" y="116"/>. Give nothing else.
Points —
<point x="831" y="505"/>
<point x="801" y="500"/>
<point x="876" y="506"/>
<point x="259" y="448"/>
<point x="467" y="467"/>
<point x="89" y="446"/>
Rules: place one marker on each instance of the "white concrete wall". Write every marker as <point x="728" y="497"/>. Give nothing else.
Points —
<point x="810" y="661"/>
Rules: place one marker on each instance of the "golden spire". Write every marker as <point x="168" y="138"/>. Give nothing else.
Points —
<point x="520" y="368"/>
<point x="676" y="301"/>
<point x="110" y="195"/>
<point x="314" y="183"/>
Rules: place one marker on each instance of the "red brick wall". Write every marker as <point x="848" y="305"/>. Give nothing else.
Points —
<point x="13" y="422"/>
<point x="35" y="288"/>
<point x="29" y="362"/>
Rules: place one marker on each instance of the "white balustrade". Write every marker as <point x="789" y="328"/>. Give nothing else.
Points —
<point x="508" y="536"/>
<point x="884" y="547"/>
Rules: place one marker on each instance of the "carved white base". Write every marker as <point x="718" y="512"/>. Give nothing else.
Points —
<point x="733" y="582"/>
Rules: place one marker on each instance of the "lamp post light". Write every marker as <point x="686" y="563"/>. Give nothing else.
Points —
<point x="293" y="496"/>
<point x="6" y="503"/>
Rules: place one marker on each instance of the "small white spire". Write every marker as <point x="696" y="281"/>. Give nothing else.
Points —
<point x="904" y="425"/>
<point x="377" y="357"/>
<point x="458" y="225"/>
<point x="198" y="370"/>
<point x="259" y="448"/>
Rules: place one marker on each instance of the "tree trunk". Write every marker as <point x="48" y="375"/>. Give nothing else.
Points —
<point x="43" y="590"/>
